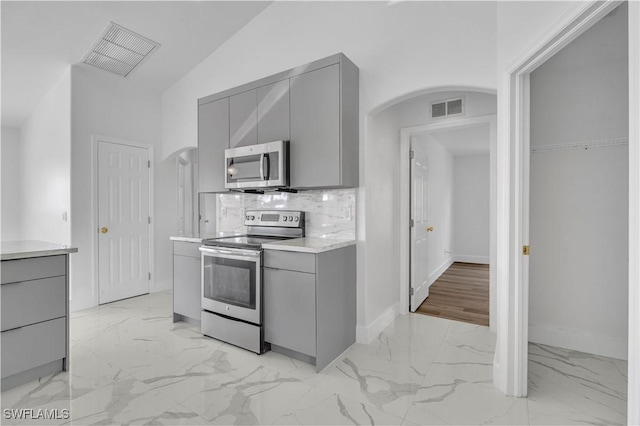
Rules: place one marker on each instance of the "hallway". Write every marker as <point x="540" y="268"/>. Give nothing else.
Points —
<point x="460" y="294"/>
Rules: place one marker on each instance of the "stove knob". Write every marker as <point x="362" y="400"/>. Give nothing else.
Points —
<point x="291" y="218"/>
<point x="297" y="219"/>
<point x="253" y="217"/>
<point x="247" y="217"/>
<point x="284" y="218"/>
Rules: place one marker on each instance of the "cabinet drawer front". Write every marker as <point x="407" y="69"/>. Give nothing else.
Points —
<point x="290" y="310"/>
<point x="290" y="260"/>
<point x="29" y="302"/>
<point x="33" y="268"/>
<point x="183" y="248"/>
<point x="28" y="347"/>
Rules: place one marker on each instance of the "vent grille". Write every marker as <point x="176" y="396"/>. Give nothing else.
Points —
<point x="119" y="50"/>
<point x="446" y="108"/>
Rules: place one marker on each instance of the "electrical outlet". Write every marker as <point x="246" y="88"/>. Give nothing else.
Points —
<point x="64" y="216"/>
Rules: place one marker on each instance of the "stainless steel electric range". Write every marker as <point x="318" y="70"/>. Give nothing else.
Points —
<point x="232" y="277"/>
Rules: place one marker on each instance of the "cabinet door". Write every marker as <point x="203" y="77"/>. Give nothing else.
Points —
<point x="290" y="310"/>
<point x="186" y="286"/>
<point x="273" y="112"/>
<point x="243" y="119"/>
<point x="315" y="128"/>
<point x="213" y="139"/>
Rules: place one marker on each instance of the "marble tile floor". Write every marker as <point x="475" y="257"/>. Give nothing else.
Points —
<point x="131" y="365"/>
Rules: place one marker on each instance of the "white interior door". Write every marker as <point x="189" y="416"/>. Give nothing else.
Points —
<point x="123" y="221"/>
<point x="420" y="229"/>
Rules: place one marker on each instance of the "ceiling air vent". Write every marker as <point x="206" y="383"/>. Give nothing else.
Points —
<point x="446" y="108"/>
<point x="119" y="50"/>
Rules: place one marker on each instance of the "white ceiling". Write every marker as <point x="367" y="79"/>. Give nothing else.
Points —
<point x="40" y="40"/>
<point x="464" y="141"/>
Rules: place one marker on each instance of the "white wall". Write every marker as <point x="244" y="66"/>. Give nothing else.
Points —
<point x="579" y="197"/>
<point x="383" y="200"/>
<point x="10" y="170"/>
<point x="45" y="158"/>
<point x="393" y="45"/>
<point x="471" y="208"/>
<point x="109" y="106"/>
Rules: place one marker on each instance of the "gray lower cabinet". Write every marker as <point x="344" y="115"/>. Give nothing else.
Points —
<point x="310" y="303"/>
<point x="186" y="281"/>
<point x="213" y="139"/>
<point x="290" y="295"/>
<point x="34" y="295"/>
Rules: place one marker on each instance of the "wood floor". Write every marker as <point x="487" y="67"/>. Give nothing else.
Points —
<point x="460" y="294"/>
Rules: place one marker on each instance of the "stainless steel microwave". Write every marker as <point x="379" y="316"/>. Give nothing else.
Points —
<point x="265" y="165"/>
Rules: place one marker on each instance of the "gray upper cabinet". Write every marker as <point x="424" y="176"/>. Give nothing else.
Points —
<point x="213" y="139"/>
<point x="273" y="112"/>
<point x="315" y="128"/>
<point x="325" y="126"/>
<point x="314" y="106"/>
<point x="243" y="119"/>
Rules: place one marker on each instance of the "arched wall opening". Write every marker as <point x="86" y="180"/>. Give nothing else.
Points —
<point x="382" y="266"/>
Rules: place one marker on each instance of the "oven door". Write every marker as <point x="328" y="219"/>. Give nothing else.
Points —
<point x="232" y="283"/>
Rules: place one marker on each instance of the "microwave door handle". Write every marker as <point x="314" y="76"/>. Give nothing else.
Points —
<point x="264" y="158"/>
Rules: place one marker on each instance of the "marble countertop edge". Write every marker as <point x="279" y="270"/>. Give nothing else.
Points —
<point x="23" y="249"/>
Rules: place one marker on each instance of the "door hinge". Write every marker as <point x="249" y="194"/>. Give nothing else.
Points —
<point x="149" y="163"/>
<point x="411" y="155"/>
<point x="149" y="220"/>
<point x="412" y="291"/>
<point x="411" y="223"/>
<point x="149" y="276"/>
<point x="525" y="250"/>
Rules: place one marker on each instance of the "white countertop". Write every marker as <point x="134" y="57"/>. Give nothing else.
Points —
<point x="196" y="239"/>
<point x="186" y="239"/>
<point x="308" y="244"/>
<point x="32" y="248"/>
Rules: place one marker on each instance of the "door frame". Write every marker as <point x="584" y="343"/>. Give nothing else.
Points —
<point x="405" y="199"/>
<point x="95" y="140"/>
<point x="510" y="365"/>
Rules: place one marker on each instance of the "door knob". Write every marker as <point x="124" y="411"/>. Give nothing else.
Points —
<point x="104" y="230"/>
<point x="430" y="229"/>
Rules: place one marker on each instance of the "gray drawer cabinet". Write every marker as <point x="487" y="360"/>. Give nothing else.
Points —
<point x="186" y="281"/>
<point x="213" y="139"/>
<point x="34" y="297"/>
<point x="310" y="315"/>
<point x="314" y="106"/>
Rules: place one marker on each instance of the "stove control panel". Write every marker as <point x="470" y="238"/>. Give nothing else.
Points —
<point x="282" y="218"/>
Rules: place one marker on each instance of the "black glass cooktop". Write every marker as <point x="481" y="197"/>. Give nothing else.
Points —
<point x="242" y="241"/>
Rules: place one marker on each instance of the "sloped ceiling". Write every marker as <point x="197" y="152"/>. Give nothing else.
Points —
<point x="40" y="40"/>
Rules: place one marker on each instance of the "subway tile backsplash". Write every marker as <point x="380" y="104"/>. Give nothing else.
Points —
<point x="329" y="213"/>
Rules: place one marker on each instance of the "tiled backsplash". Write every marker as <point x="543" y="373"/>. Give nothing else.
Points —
<point x="329" y="213"/>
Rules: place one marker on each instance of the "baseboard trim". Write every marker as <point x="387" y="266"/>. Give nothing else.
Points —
<point x="441" y="269"/>
<point x="484" y="260"/>
<point x="367" y="334"/>
<point x="579" y="341"/>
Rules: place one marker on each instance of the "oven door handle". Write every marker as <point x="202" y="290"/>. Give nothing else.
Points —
<point x="228" y="253"/>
